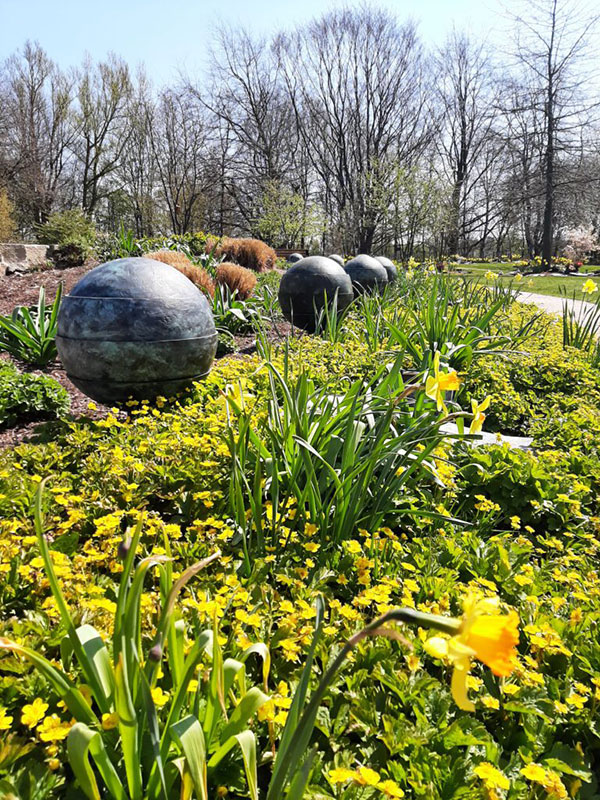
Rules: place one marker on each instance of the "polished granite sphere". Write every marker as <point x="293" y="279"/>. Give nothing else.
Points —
<point x="135" y="327"/>
<point x="294" y="258"/>
<point x="308" y="285"/>
<point x="337" y="258"/>
<point x="389" y="267"/>
<point x="366" y="274"/>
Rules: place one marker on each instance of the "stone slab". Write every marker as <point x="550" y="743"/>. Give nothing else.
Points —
<point x="17" y="257"/>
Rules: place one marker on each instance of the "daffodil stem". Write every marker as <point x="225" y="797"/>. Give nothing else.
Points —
<point x="407" y="615"/>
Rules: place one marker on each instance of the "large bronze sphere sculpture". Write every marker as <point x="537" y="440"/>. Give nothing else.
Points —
<point x="389" y="267"/>
<point x="293" y="258"/>
<point x="366" y="274"/>
<point x="337" y="258"/>
<point x="135" y="327"/>
<point x="307" y="286"/>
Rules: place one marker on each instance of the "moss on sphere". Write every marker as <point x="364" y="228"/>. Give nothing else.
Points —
<point x="309" y="285"/>
<point x="366" y="274"/>
<point x="135" y="327"/>
<point x="389" y="267"/>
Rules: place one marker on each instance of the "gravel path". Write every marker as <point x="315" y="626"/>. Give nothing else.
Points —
<point x="554" y="305"/>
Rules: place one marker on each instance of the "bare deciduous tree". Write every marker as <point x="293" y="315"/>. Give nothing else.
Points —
<point x="551" y="40"/>
<point x="36" y="133"/>
<point x="103" y="94"/>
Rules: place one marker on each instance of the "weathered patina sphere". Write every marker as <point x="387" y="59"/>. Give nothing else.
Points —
<point x="366" y="274"/>
<point x="294" y="258"/>
<point x="389" y="267"/>
<point x="337" y="258"/>
<point x="308" y="285"/>
<point x="135" y="327"/>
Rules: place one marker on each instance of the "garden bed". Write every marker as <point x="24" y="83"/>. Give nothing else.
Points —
<point x="316" y="482"/>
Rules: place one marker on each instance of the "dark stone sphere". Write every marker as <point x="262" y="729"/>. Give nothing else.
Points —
<point x="389" y="267"/>
<point x="338" y="259"/>
<point x="309" y="284"/>
<point x="366" y="274"/>
<point x="294" y="258"/>
<point x="137" y="328"/>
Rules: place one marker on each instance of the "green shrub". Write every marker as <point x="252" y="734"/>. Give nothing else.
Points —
<point x="73" y="235"/>
<point x="25" y="397"/>
<point x="524" y="387"/>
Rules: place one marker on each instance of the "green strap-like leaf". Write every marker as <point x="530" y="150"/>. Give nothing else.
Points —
<point x="82" y="742"/>
<point x="63" y="686"/>
<point x="190" y="738"/>
<point x="248" y="705"/>
<point x="247" y="744"/>
<point x="300" y="780"/>
<point x="128" y="728"/>
<point x="98" y="656"/>
<point x="86" y="665"/>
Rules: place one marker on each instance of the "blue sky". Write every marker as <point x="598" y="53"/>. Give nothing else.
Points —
<point x="172" y="35"/>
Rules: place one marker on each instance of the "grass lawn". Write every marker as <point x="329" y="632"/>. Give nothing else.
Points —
<point x="537" y="284"/>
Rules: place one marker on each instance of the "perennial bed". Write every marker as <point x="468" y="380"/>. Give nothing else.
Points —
<point x="422" y="522"/>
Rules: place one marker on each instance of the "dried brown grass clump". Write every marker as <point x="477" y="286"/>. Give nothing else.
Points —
<point x="171" y="257"/>
<point x="238" y="279"/>
<point x="250" y="253"/>
<point x="182" y="263"/>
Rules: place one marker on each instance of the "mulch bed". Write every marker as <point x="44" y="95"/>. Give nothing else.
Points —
<point x="23" y="289"/>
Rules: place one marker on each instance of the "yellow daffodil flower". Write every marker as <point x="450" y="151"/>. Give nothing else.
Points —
<point x="589" y="287"/>
<point x="439" y="383"/>
<point x="483" y="634"/>
<point x="477" y="410"/>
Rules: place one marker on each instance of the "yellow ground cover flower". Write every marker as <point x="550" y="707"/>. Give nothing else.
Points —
<point x="53" y="729"/>
<point x="547" y="778"/>
<point x="160" y="697"/>
<point x="110" y="721"/>
<point x="365" y="776"/>
<point x="483" y="634"/>
<point x="340" y="775"/>
<point x="5" y="720"/>
<point x="390" y="789"/>
<point x="492" y="777"/>
<point x="34" y="712"/>
<point x="439" y="383"/>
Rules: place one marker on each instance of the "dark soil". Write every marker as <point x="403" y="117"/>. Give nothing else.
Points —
<point x="23" y="289"/>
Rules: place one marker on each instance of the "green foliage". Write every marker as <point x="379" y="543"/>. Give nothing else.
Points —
<point x="25" y="397"/>
<point x="341" y="461"/>
<point x="73" y="234"/>
<point x="581" y="328"/>
<point x="527" y="387"/>
<point x="29" y="334"/>
<point x="280" y="446"/>
<point x="124" y="243"/>
<point x="286" y="218"/>
<point x="153" y="746"/>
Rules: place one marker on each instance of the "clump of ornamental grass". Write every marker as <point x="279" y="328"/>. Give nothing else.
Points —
<point x="250" y="253"/>
<point x="182" y="263"/>
<point x="240" y="280"/>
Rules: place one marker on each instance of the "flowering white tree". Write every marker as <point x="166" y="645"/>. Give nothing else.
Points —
<point x="578" y="243"/>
